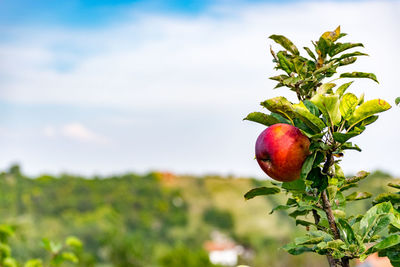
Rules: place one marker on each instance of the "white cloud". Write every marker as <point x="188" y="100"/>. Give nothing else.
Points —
<point x="214" y="63"/>
<point x="75" y="131"/>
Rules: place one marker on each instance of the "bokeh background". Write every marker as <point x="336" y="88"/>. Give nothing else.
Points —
<point x="132" y="89"/>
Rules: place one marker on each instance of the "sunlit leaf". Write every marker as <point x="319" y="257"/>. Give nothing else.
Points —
<point x="326" y="88"/>
<point x="340" y="91"/>
<point x="312" y="121"/>
<point x="262" y="118"/>
<point x="348" y="104"/>
<point x="280" y="105"/>
<point x="285" y="43"/>
<point x="261" y="191"/>
<point x="368" y="109"/>
<point x="329" y="106"/>
<point x="34" y="263"/>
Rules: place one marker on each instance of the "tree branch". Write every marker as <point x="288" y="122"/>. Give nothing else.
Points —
<point x="329" y="214"/>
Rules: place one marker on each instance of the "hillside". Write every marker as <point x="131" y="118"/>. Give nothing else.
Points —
<point x="147" y="220"/>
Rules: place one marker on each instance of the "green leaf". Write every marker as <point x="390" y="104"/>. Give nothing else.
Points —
<point x="348" y="105"/>
<point x="280" y="118"/>
<point x="347" y="61"/>
<point x="304" y="223"/>
<point x="358" y="196"/>
<point x="340" y="91"/>
<point x="262" y="118"/>
<point x="312" y="121"/>
<point x="310" y="53"/>
<point x="335" y="244"/>
<point x="388" y="242"/>
<point x="285" y="63"/>
<point x="350" y="55"/>
<point x="357" y="74"/>
<point x="368" y="109"/>
<point x="296" y="185"/>
<point x="394" y="185"/>
<point x="397" y="100"/>
<point x="375" y="220"/>
<point x="325" y="88"/>
<point x="261" y="191"/>
<point x="280" y="207"/>
<point x="285" y="43"/>
<point x="281" y="106"/>
<point x="307" y="165"/>
<point x="311" y="107"/>
<point x="69" y="256"/>
<point x="279" y="78"/>
<point x="346" y="231"/>
<point x="343" y="137"/>
<point x="293" y="249"/>
<point x="384" y="197"/>
<point x="349" y="146"/>
<point x="369" y="120"/>
<point x="307" y="240"/>
<point x="324" y="68"/>
<point x="329" y="106"/>
<point x="74" y="242"/>
<point x="332" y="190"/>
<point x="34" y="263"/>
<point x="340" y="47"/>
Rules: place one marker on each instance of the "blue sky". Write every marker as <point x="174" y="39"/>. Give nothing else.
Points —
<point x="99" y="87"/>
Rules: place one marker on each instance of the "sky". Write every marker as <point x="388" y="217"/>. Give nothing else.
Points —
<point x="105" y="87"/>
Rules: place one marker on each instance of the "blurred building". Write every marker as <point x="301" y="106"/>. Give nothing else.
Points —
<point x="224" y="251"/>
<point x="375" y="261"/>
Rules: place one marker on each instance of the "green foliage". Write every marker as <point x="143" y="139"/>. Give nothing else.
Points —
<point x="329" y="118"/>
<point x="221" y="219"/>
<point x="181" y="256"/>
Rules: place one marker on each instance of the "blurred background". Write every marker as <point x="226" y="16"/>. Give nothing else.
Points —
<point x="121" y="123"/>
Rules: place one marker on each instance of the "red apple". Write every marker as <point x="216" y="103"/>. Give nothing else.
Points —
<point x="281" y="150"/>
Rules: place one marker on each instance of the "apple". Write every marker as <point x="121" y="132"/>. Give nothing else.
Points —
<point x="281" y="150"/>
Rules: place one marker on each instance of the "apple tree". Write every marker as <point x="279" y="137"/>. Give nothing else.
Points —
<point x="331" y="117"/>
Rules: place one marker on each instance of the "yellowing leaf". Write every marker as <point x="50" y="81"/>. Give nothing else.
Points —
<point x="333" y="35"/>
<point x="367" y="109"/>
